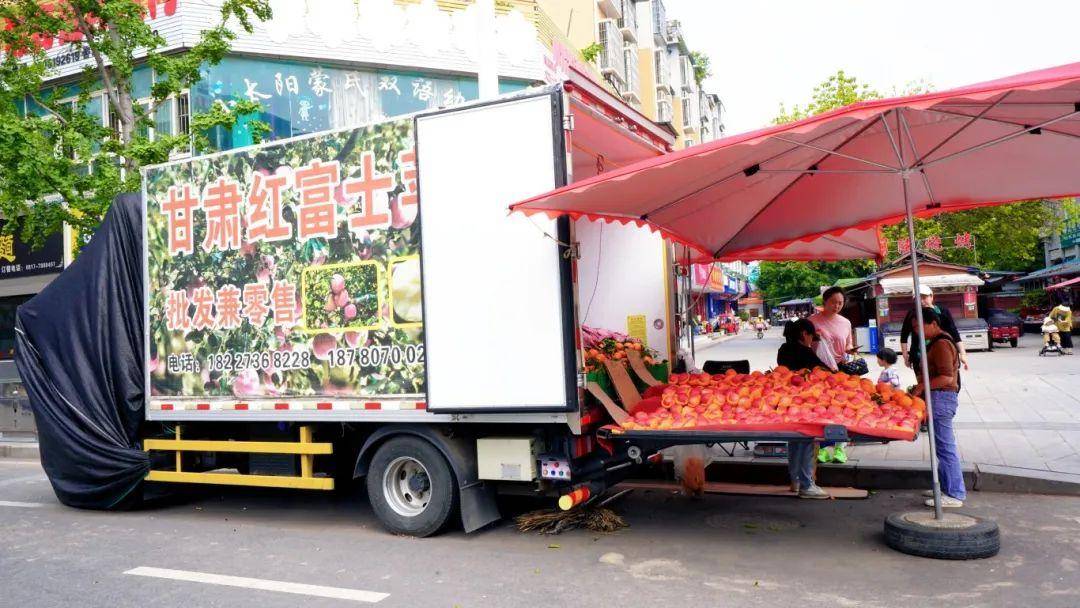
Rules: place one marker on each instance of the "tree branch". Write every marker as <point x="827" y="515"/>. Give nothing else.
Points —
<point x="41" y="103"/>
<point x="106" y="74"/>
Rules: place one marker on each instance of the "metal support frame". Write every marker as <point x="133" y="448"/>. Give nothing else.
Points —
<point x="305" y="448"/>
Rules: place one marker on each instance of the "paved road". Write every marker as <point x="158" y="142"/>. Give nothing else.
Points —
<point x="1016" y="409"/>
<point x="715" y="552"/>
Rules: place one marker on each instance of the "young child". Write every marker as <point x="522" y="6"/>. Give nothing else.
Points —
<point x="887" y="358"/>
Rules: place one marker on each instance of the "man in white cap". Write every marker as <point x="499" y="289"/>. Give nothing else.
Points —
<point x="948" y="325"/>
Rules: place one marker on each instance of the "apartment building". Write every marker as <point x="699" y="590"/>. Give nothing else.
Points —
<point x="643" y="56"/>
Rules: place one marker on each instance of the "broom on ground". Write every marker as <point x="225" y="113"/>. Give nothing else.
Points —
<point x="592" y="515"/>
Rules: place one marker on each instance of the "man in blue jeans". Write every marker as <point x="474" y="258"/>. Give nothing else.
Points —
<point x="943" y="363"/>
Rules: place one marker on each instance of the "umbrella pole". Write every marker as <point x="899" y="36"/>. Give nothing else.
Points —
<point x="925" y="370"/>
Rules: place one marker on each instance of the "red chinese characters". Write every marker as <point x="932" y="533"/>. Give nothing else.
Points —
<point x="176" y="310"/>
<point x="933" y="243"/>
<point x="203" y="300"/>
<point x="407" y="161"/>
<point x="256" y="303"/>
<point x="179" y="208"/>
<point x="228" y="307"/>
<point x="317" y="215"/>
<point x="904" y="245"/>
<point x="284" y="299"/>
<point x="964" y="241"/>
<point x="221" y="204"/>
<point x="371" y="187"/>
<point x="264" y="219"/>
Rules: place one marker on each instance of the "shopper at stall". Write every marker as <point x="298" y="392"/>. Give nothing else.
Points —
<point x="1062" y="316"/>
<point x="796" y="354"/>
<point x="833" y="328"/>
<point x="943" y="363"/>
<point x="835" y="332"/>
<point x="948" y="325"/>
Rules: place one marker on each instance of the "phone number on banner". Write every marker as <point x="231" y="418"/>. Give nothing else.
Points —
<point x="374" y="356"/>
<point x="265" y="360"/>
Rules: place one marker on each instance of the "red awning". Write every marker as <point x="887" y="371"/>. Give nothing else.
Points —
<point x="1063" y="284"/>
<point x="763" y="192"/>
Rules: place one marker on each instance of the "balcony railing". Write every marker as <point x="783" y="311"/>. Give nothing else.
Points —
<point x="632" y="79"/>
<point x="628" y="20"/>
<point x="612" y="61"/>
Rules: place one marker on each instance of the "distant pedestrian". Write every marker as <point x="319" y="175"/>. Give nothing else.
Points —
<point x="886" y="359"/>
<point x="943" y="363"/>
<point x="1062" y="316"/>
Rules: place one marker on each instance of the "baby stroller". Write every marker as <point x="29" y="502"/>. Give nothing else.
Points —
<point x="1051" y="339"/>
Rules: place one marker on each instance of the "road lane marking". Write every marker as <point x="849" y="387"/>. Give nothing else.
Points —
<point x="27" y="505"/>
<point x="340" y="593"/>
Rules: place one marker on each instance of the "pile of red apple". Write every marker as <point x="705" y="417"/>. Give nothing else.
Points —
<point x="779" y="397"/>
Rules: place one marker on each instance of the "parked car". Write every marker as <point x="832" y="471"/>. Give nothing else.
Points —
<point x="1005" y="326"/>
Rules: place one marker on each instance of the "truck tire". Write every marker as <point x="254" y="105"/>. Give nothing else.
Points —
<point x="955" y="537"/>
<point x="411" y="487"/>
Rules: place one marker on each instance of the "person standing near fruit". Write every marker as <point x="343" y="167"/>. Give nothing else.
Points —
<point x="835" y="332"/>
<point x="943" y="363"/>
<point x="948" y="325"/>
<point x="797" y="354"/>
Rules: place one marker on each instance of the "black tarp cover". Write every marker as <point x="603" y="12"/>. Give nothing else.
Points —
<point x="79" y="354"/>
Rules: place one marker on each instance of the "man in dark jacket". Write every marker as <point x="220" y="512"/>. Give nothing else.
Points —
<point x="948" y="325"/>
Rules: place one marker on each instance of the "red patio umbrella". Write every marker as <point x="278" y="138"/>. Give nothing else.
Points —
<point x="869" y="163"/>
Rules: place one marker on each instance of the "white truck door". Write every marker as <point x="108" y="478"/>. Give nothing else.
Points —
<point x="498" y="321"/>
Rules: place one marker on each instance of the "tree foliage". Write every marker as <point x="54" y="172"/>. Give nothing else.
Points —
<point x="78" y="165"/>
<point x="1008" y="237"/>
<point x="780" y="281"/>
<point x="837" y="91"/>
<point x="702" y="66"/>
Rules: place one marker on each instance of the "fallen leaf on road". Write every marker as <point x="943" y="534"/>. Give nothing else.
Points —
<point x="554" y="546"/>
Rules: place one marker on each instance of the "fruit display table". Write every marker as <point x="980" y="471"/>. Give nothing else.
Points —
<point x="778" y="405"/>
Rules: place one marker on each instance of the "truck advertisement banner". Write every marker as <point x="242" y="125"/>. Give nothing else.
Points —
<point x="287" y="270"/>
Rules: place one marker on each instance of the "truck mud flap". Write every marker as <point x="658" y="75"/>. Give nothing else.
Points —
<point x="478" y="506"/>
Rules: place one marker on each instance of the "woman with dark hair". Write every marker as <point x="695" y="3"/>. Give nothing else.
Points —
<point x="797" y="354"/>
<point x="943" y="365"/>
<point x="797" y="351"/>
<point x="833" y="328"/>
<point x="835" y="332"/>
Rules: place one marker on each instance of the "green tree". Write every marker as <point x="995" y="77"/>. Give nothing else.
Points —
<point x="702" y="66"/>
<point x="837" y="91"/>
<point x="1008" y="237"/>
<point x="780" y="281"/>
<point x="79" y="165"/>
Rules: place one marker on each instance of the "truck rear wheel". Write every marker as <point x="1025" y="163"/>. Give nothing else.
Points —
<point x="411" y="487"/>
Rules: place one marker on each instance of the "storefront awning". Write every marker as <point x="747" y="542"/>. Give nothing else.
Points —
<point x="1070" y="283"/>
<point x="934" y="281"/>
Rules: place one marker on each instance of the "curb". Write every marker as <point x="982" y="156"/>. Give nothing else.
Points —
<point x="897" y="475"/>
<point x="19" y="450"/>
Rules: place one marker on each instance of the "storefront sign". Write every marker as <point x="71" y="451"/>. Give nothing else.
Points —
<point x="709" y="277"/>
<point x="17" y="259"/>
<point x="288" y="271"/>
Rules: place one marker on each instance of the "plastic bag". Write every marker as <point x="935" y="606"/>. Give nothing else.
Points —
<point x="690" y="461"/>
